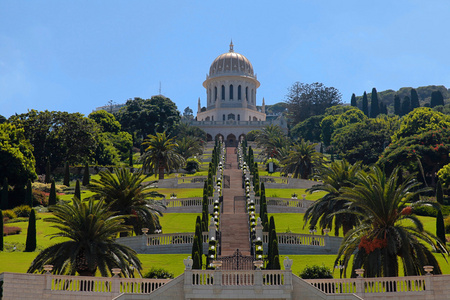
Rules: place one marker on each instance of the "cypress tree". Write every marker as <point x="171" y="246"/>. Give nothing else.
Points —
<point x="77" y="193"/>
<point x="275" y="255"/>
<point x="30" y="245"/>
<point x="365" y="104"/>
<point x="353" y="100"/>
<point x="440" y="227"/>
<point x="197" y="247"/>
<point x="439" y="193"/>
<point x="397" y="106"/>
<point x="48" y="174"/>
<point x="1" y="230"/>
<point x="52" y="196"/>
<point x="436" y="99"/>
<point x="4" y="201"/>
<point x="130" y="158"/>
<point x="29" y="194"/>
<point x="414" y="99"/>
<point x="86" y="176"/>
<point x="205" y="213"/>
<point x="66" y="181"/>
<point x="374" y="105"/>
<point x="406" y="106"/>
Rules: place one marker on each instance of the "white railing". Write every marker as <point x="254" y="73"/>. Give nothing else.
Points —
<point x="238" y="277"/>
<point x="286" y="202"/>
<point x="297" y="239"/>
<point x="104" y="284"/>
<point x="173" y="238"/>
<point x="372" y="285"/>
<point x="186" y="202"/>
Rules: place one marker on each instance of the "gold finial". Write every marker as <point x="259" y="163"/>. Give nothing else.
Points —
<point x="231" y="46"/>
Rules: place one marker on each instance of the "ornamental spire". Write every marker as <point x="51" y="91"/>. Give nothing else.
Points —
<point x="231" y="46"/>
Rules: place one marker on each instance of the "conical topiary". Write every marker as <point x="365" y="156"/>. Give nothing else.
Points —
<point x="77" y="192"/>
<point x="1" y="230"/>
<point x="86" y="176"/>
<point x="440" y="227"/>
<point x="4" y="201"/>
<point x="29" y="194"/>
<point x="66" y="174"/>
<point x="48" y="171"/>
<point x="52" y="196"/>
<point x="30" y="245"/>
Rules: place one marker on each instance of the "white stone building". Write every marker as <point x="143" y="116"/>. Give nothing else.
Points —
<point x="231" y="110"/>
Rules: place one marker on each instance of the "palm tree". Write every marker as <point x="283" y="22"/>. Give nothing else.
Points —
<point x="388" y="229"/>
<point x="189" y="146"/>
<point x="333" y="177"/>
<point x="301" y="160"/>
<point x="89" y="230"/>
<point x="126" y="194"/>
<point x="160" y="154"/>
<point x="271" y="138"/>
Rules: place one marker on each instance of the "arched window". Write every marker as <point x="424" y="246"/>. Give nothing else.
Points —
<point x="239" y="93"/>
<point x="215" y="93"/>
<point x="253" y="96"/>
<point x="209" y="96"/>
<point x="231" y="92"/>
<point x="239" y="117"/>
<point x="231" y="116"/>
<point x="246" y="93"/>
<point x="223" y="92"/>
<point x="249" y="118"/>
<point x="212" y="118"/>
<point x="223" y="117"/>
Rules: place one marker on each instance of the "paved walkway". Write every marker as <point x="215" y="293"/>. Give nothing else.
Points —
<point x="234" y="224"/>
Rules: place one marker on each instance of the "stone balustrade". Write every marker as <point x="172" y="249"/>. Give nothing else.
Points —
<point x="240" y="277"/>
<point x="297" y="243"/>
<point x="186" y="205"/>
<point x="285" y="205"/>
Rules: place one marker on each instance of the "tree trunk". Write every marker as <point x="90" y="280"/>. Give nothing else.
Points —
<point x="161" y="173"/>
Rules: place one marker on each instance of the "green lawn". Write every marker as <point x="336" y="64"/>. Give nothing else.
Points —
<point x="172" y="223"/>
<point x="287" y="193"/>
<point x="182" y="192"/>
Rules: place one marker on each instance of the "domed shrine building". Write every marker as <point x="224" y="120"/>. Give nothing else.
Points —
<point x="231" y="111"/>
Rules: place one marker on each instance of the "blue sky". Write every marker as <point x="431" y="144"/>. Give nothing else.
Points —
<point x="77" y="55"/>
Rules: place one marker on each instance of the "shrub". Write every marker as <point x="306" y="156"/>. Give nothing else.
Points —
<point x="316" y="272"/>
<point x="40" y="197"/>
<point x="9" y="214"/>
<point x="10" y="230"/>
<point x="158" y="273"/>
<point x="192" y="165"/>
<point x="22" y="211"/>
<point x="429" y="211"/>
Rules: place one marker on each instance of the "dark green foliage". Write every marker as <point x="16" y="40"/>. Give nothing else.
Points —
<point x="48" y="173"/>
<point x="29" y="194"/>
<point x="205" y="214"/>
<point x="77" y="192"/>
<point x="316" y="272"/>
<point x="130" y="157"/>
<point x="383" y="109"/>
<point x="414" y="99"/>
<point x="52" y="196"/>
<point x="374" y="104"/>
<point x="440" y="227"/>
<point x="406" y="106"/>
<point x="365" y="104"/>
<point x="66" y="174"/>
<point x="436" y="99"/>
<point x="159" y="273"/>
<point x="273" y="259"/>
<point x="1" y="230"/>
<point x="30" y="245"/>
<point x="5" y="192"/>
<point x="397" y="105"/>
<point x="439" y="193"/>
<point x="428" y="211"/>
<point x="86" y="176"/>
<point x="353" y="100"/>
<point x="197" y="247"/>
<point x="309" y="129"/>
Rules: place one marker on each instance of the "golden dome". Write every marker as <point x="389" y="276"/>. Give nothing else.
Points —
<point x="231" y="63"/>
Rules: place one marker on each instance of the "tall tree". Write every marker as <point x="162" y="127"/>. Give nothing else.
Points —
<point x="374" y="104"/>
<point x="365" y="104"/>
<point x="48" y="173"/>
<point x="353" y="101"/>
<point x="440" y="227"/>
<point x="125" y="194"/>
<point x="1" y="230"/>
<point x="306" y="100"/>
<point x="66" y="174"/>
<point x="197" y="246"/>
<point x="29" y="194"/>
<point x="86" y="176"/>
<point x="406" y="105"/>
<point x="86" y="249"/>
<point x="439" y="193"/>
<point x="52" y="195"/>
<point x="5" y="193"/>
<point x="77" y="192"/>
<point x="130" y="157"/>
<point x="388" y="232"/>
<point x="397" y="105"/>
<point x="436" y="99"/>
<point x="301" y="160"/>
<point x="160" y="154"/>
<point x="30" y="244"/>
<point x="414" y="99"/>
